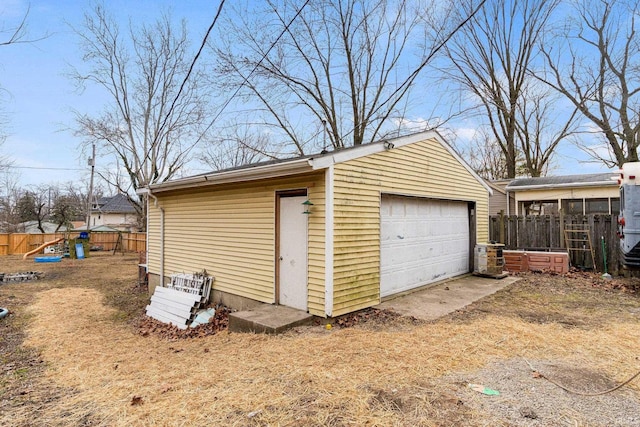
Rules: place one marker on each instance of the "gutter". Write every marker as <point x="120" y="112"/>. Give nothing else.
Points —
<point x="567" y="185"/>
<point x="237" y="175"/>
<point x="147" y="191"/>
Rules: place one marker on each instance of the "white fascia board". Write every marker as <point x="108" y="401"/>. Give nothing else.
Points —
<point x="413" y="138"/>
<point x="325" y="161"/>
<point x="342" y="156"/>
<point x="378" y="147"/>
<point x="450" y="149"/>
<point x="237" y="175"/>
<point x="496" y="188"/>
<point x="517" y="189"/>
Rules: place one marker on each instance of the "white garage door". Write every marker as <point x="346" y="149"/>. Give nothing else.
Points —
<point x="422" y="241"/>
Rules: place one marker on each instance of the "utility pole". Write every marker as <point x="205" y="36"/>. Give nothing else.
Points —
<point x="92" y="163"/>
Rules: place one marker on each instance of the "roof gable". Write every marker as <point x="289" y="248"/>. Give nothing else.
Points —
<point x="281" y="168"/>
<point x="389" y="144"/>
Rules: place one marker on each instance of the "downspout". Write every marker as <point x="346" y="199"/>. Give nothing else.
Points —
<point x="155" y="203"/>
<point x="508" y="202"/>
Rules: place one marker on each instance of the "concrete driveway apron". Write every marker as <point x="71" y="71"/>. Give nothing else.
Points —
<point x="446" y="297"/>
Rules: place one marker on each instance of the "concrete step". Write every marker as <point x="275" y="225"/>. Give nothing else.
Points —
<point x="268" y="319"/>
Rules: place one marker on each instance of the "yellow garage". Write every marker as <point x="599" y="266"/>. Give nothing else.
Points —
<point x="327" y="234"/>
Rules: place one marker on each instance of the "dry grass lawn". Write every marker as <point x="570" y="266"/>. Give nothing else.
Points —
<point x="72" y="356"/>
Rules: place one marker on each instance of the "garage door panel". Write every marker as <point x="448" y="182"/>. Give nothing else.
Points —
<point x="422" y="241"/>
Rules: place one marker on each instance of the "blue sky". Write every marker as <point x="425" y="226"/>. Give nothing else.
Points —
<point x="40" y="98"/>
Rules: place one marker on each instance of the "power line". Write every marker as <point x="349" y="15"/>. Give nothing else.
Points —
<point x="193" y="64"/>
<point x="186" y="78"/>
<point x="44" y="168"/>
<point x="286" y="29"/>
<point x="246" y="79"/>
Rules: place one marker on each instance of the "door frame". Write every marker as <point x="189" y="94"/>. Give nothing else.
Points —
<point x="472" y="234"/>
<point x="276" y="259"/>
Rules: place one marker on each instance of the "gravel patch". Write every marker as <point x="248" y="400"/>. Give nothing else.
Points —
<point x="530" y="401"/>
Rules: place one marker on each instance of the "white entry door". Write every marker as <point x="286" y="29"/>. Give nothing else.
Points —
<point x="421" y="241"/>
<point x="292" y="257"/>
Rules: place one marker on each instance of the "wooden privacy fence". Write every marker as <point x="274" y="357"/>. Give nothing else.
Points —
<point x="20" y="243"/>
<point x="547" y="233"/>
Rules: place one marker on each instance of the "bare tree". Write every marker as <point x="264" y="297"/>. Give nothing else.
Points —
<point x="485" y="156"/>
<point x="154" y="120"/>
<point x="10" y="193"/>
<point x="237" y="145"/>
<point x="491" y="58"/>
<point x="16" y="33"/>
<point x="33" y="205"/>
<point x="57" y="203"/>
<point x="601" y="76"/>
<point x="347" y="63"/>
<point x="77" y="193"/>
<point x="538" y="131"/>
<point x="64" y="209"/>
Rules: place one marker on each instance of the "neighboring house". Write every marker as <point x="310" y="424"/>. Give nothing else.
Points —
<point x="31" y="227"/>
<point x="78" y="224"/>
<point x="115" y="212"/>
<point x="328" y="234"/>
<point x="574" y="194"/>
<point x="498" y="200"/>
<point x="104" y="229"/>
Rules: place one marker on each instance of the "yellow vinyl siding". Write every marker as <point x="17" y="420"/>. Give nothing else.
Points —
<point x="230" y="232"/>
<point x="424" y="169"/>
<point x="316" y="255"/>
<point x="356" y="279"/>
<point x="153" y="238"/>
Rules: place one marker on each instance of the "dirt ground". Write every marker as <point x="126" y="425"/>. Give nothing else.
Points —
<point x="75" y="351"/>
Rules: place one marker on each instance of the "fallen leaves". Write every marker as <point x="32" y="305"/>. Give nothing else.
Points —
<point x="219" y="322"/>
<point x="371" y="315"/>
<point x="595" y="280"/>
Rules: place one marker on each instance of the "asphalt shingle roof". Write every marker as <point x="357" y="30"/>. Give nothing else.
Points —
<point x="584" y="179"/>
<point x="115" y="204"/>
